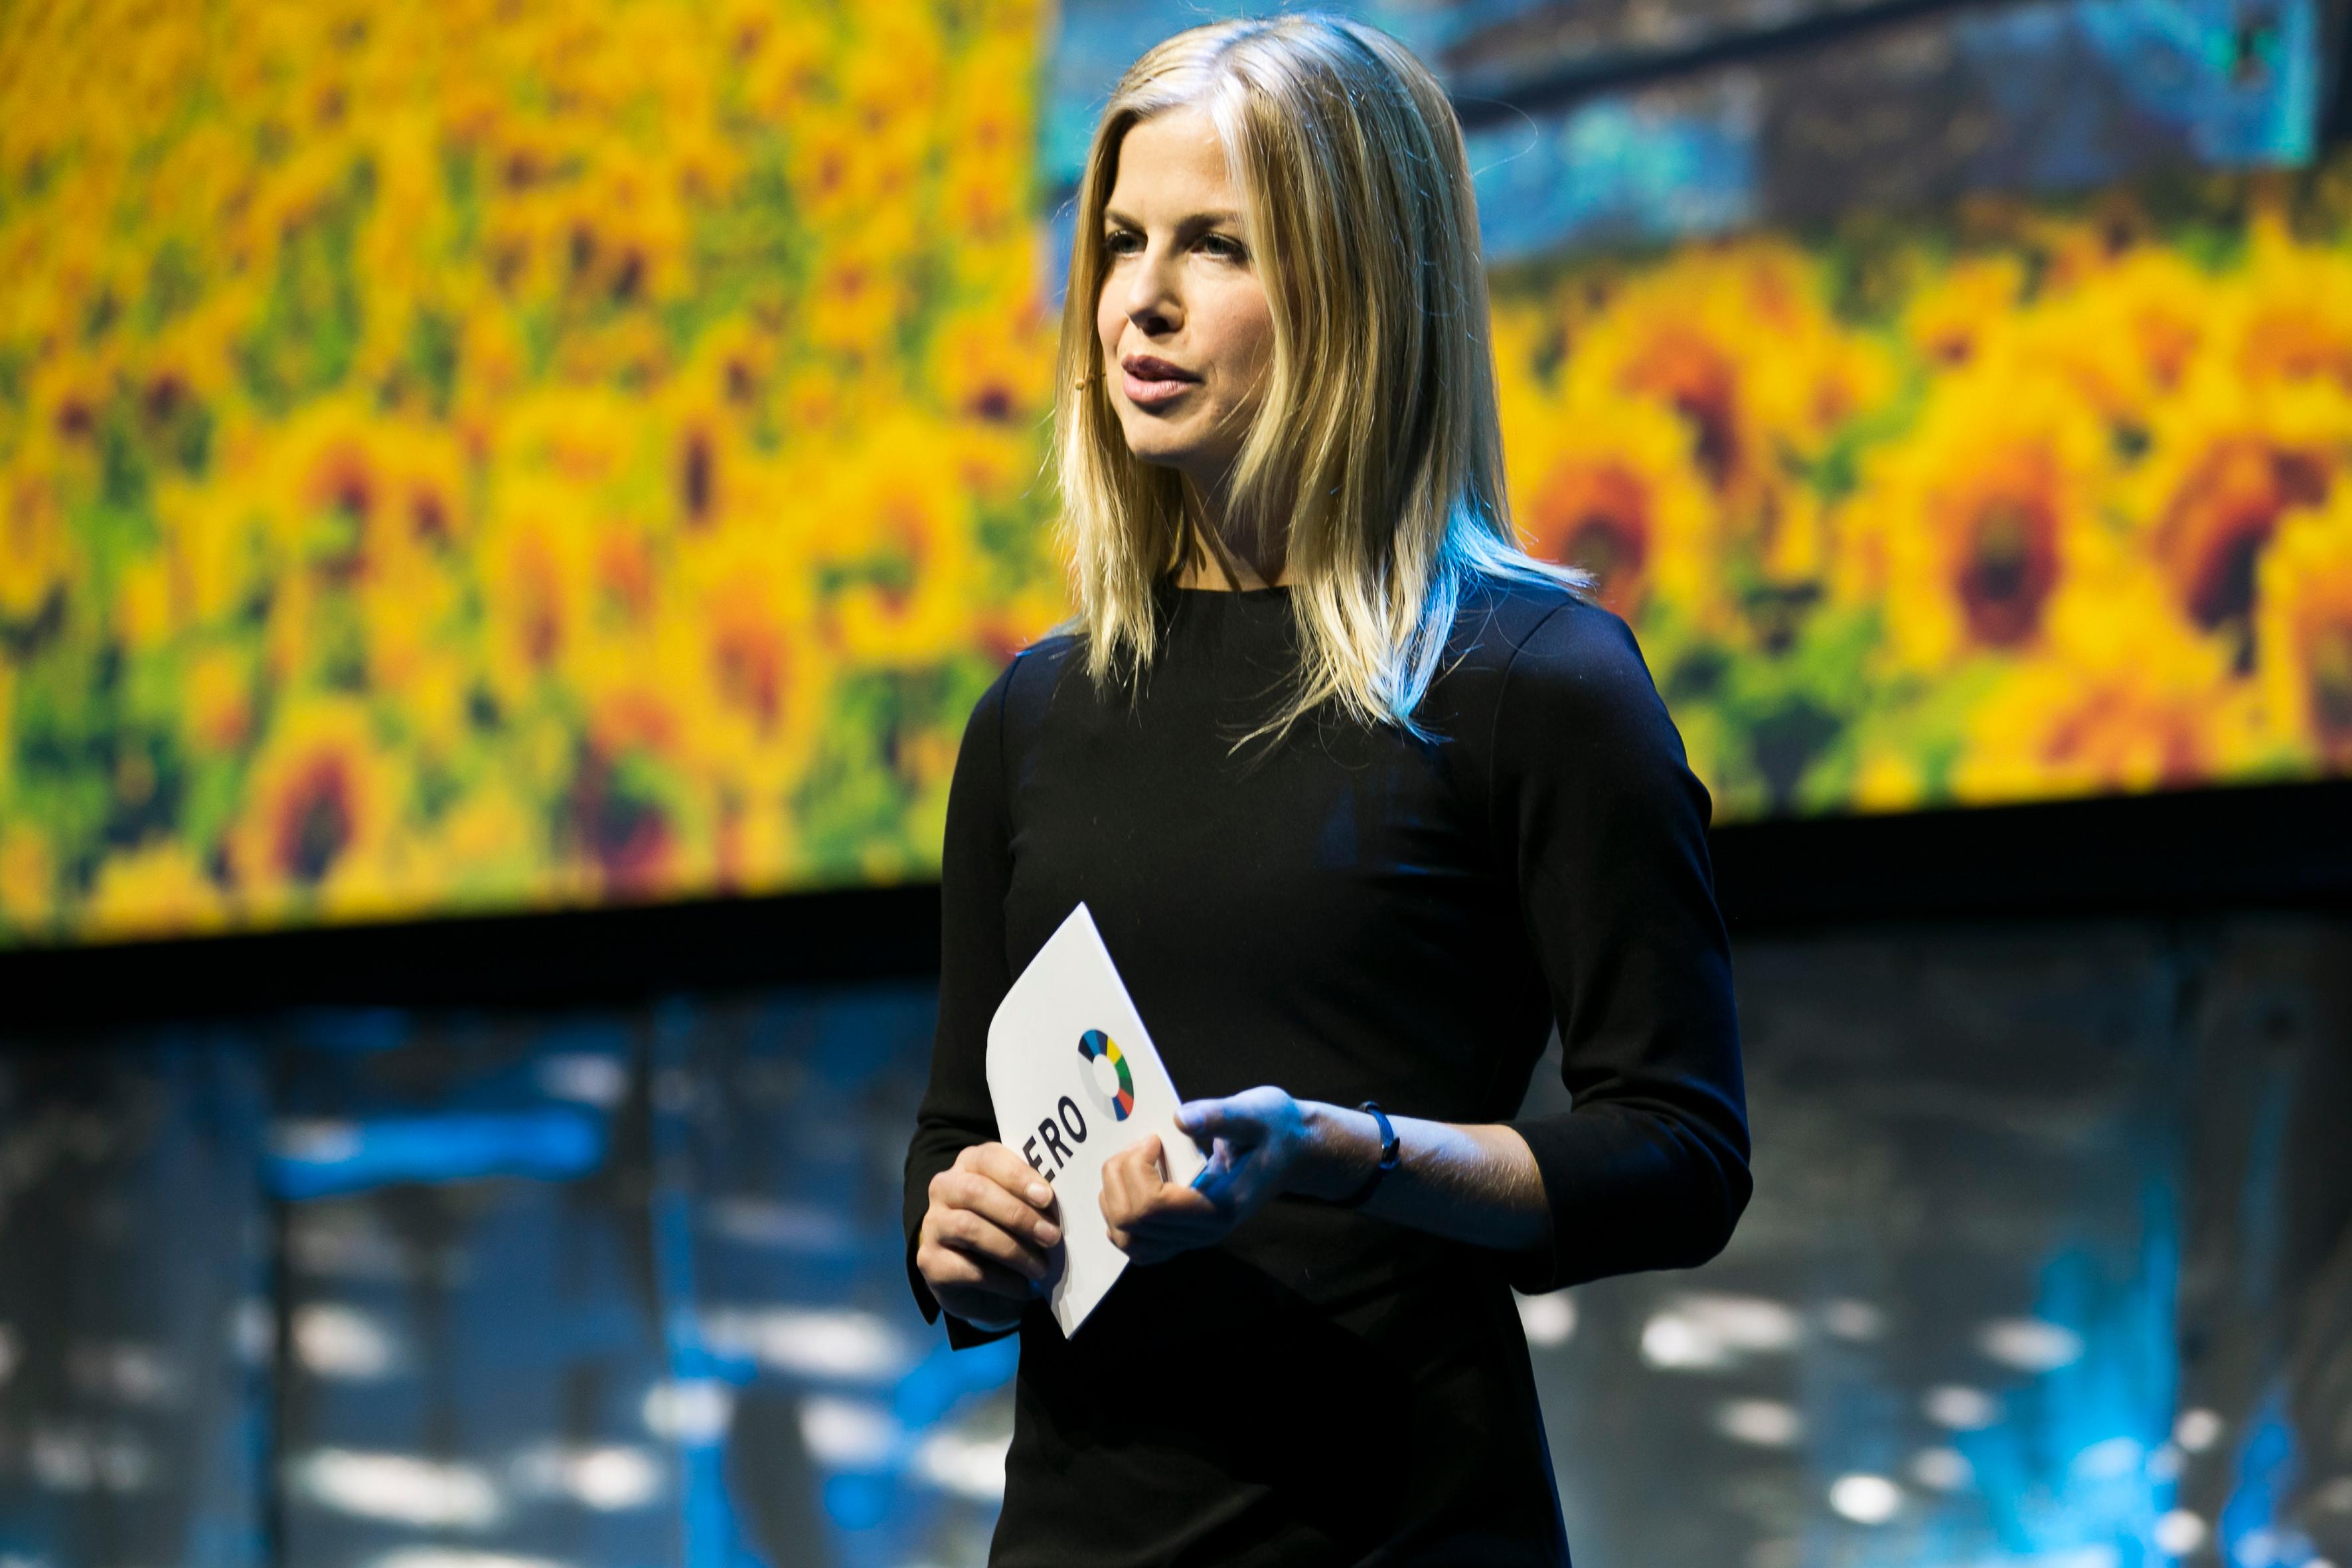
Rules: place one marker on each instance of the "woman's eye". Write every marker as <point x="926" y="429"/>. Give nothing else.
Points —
<point x="1117" y="242"/>
<point x="1219" y="244"/>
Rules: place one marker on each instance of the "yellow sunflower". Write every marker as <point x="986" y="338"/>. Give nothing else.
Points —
<point x="159" y="889"/>
<point x="637" y="816"/>
<point x="757" y="845"/>
<point x="784" y="52"/>
<point x="857" y="295"/>
<point x="994" y="366"/>
<point x="989" y="165"/>
<point x="535" y="574"/>
<point x="41" y="559"/>
<point x="762" y="670"/>
<point x="1946" y="320"/>
<point x="624" y="240"/>
<point x="2303" y="627"/>
<point x="1737" y="342"/>
<point x="1611" y="487"/>
<point x="2228" y="461"/>
<point x="1972" y="528"/>
<point x="190" y="363"/>
<point x="28" y="879"/>
<point x="218" y="707"/>
<point x="66" y="397"/>
<point x="407" y="210"/>
<point x="221" y="545"/>
<point x="2125" y="339"/>
<point x="487" y="848"/>
<point x="734" y="363"/>
<point x="320" y="816"/>
<point x="2120" y="696"/>
<point x="2289" y="319"/>
<point x="350" y="487"/>
<point x="895" y="534"/>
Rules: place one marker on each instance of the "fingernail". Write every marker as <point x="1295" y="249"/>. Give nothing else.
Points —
<point x="1040" y="1193"/>
<point x="1048" y="1232"/>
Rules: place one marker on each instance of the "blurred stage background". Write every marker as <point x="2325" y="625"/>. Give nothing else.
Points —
<point x="503" y="511"/>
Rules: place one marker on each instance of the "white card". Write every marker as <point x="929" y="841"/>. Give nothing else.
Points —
<point x="1075" y="1079"/>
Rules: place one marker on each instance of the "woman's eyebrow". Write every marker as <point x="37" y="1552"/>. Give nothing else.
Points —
<point x="1196" y="221"/>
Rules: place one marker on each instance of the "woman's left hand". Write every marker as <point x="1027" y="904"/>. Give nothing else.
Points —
<point x="1260" y="1145"/>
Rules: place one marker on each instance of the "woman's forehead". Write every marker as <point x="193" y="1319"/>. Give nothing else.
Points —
<point x="1173" y="157"/>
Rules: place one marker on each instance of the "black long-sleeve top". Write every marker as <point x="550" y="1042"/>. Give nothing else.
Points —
<point x="1354" y="914"/>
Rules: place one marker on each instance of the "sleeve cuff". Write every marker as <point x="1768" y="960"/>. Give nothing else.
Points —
<point x="1645" y="1193"/>
<point x="1541" y="1269"/>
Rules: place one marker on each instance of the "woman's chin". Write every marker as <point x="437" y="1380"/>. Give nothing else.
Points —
<point x="1161" y="452"/>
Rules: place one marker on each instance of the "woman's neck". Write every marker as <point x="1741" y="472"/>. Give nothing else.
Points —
<point x="1220" y="561"/>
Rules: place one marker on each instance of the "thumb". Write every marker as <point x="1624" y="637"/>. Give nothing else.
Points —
<point x="1197" y="1116"/>
<point x="1204" y="1118"/>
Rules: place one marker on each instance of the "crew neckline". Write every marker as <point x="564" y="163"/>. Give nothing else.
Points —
<point x="1235" y="593"/>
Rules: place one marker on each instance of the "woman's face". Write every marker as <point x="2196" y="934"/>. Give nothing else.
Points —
<point x="1187" y="336"/>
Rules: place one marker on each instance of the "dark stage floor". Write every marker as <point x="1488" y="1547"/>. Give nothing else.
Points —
<point x="2048" y="1263"/>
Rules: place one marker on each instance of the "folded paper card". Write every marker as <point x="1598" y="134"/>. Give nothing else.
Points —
<point x="1076" y="1079"/>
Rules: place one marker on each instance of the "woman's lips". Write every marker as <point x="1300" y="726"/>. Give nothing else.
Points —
<point x="1150" y="382"/>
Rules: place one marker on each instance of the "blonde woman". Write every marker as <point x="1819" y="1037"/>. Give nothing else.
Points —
<point x="1364" y="799"/>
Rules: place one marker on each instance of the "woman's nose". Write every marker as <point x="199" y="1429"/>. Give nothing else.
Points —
<point x="1151" y="301"/>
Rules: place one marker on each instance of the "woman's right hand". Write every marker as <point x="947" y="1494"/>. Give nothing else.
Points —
<point x="984" y="1240"/>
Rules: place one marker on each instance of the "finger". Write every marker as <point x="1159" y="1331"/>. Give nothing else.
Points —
<point x="1004" y="1165"/>
<point x="1200" y="1119"/>
<point x="952" y="1272"/>
<point x="1134" y="1158"/>
<point x="1118" y="1201"/>
<point x="948" y="1271"/>
<point x="1132" y="1174"/>
<point x="1158" y="1222"/>
<point x="983" y="1195"/>
<point x="968" y="1233"/>
<point x="1231" y="1118"/>
<point x="1122" y="1198"/>
<point x="1173" y="1202"/>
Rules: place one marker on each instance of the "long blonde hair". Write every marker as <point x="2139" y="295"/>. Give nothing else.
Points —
<point x="1377" y="444"/>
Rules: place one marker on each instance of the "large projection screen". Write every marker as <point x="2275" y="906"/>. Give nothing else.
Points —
<point x="471" y="457"/>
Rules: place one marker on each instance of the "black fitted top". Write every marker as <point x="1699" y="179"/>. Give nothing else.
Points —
<point x="1355" y="914"/>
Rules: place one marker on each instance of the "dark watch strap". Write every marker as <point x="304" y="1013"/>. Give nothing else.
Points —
<point x="1388" y="1157"/>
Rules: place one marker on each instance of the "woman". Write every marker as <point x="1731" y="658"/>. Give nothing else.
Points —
<point x="1362" y="798"/>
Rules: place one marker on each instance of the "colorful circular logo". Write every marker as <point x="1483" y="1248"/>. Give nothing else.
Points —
<point x="1096" y="1047"/>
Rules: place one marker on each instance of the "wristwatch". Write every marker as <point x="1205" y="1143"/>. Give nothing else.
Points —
<point x="1388" y="1157"/>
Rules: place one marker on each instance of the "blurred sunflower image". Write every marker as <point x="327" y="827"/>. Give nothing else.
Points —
<point x="2289" y="318"/>
<point x="473" y="456"/>
<point x="2228" y="463"/>
<point x="515" y="456"/>
<point x="1934" y="489"/>
<point x="1737" y="342"/>
<point x="2305" y="629"/>
<point x="1612" y="487"/>
<point x="2118" y="697"/>
<point x="322" y="812"/>
<point x="1971" y="530"/>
